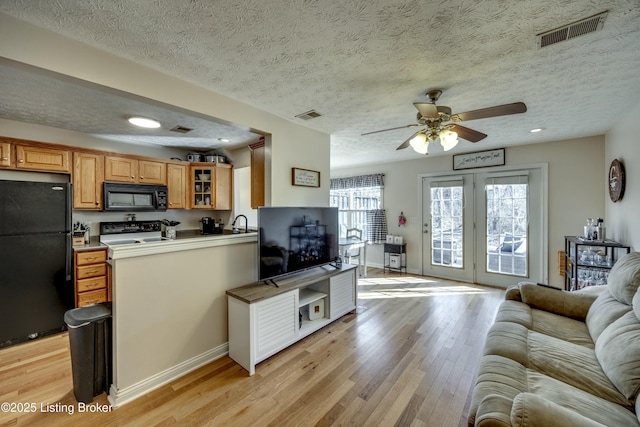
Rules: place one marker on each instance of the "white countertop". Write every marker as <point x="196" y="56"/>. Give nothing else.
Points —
<point x="180" y="244"/>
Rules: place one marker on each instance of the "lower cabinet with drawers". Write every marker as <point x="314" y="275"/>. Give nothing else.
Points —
<point x="90" y="279"/>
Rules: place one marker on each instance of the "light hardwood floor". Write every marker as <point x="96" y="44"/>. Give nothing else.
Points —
<point x="407" y="357"/>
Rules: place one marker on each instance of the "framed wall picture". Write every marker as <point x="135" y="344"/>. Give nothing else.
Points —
<point x="305" y="177"/>
<point x="479" y="159"/>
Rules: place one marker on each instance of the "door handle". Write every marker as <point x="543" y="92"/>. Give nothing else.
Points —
<point x="426" y="230"/>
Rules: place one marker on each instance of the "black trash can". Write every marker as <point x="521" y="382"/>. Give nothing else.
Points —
<point x="90" y="342"/>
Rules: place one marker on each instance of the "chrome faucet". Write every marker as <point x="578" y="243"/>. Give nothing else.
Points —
<point x="246" y="225"/>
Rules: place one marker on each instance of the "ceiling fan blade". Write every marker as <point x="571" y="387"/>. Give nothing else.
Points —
<point x="485" y="113"/>
<point x="428" y="110"/>
<point x="385" y="130"/>
<point x="406" y="143"/>
<point x="468" y="134"/>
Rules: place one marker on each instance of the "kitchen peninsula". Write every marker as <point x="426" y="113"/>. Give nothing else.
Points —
<point x="170" y="307"/>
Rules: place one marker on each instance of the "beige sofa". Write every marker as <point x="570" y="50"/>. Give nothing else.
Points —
<point x="555" y="358"/>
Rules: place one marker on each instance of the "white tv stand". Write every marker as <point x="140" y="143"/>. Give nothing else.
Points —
<point x="264" y="319"/>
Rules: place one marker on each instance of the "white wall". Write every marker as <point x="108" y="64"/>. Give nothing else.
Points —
<point x="623" y="143"/>
<point x="290" y="143"/>
<point x="575" y="189"/>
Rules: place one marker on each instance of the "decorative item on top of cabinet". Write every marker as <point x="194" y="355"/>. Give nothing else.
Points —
<point x="177" y="186"/>
<point x="88" y="176"/>
<point x="42" y="159"/>
<point x="5" y="154"/>
<point x="257" y="173"/>
<point x="90" y="281"/>
<point x="211" y="186"/>
<point x="128" y="169"/>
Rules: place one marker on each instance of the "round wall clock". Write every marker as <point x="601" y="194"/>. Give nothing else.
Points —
<point x="616" y="180"/>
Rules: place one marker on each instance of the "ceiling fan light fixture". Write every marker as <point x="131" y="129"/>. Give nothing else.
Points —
<point x="448" y="139"/>
<point x="144" y="122"/>
<point x="419" y="143"/>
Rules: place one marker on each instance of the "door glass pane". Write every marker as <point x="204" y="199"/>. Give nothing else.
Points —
<point x="507" y="217"/>
<point x="446" y="225"/>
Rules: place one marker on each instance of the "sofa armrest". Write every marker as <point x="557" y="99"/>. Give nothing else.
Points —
<point x="564" y="303"/>
<point x="513" y="293"/>
<point x="493" y="411"/>
<point x="530" y="410"/>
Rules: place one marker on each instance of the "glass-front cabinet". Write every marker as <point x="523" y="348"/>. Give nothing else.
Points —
<point x="211" y="186"/>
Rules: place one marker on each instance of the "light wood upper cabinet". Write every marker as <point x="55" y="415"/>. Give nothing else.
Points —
<point x="42" y="159"/>
<point x="88" y="176"/>
<point x="5" y="154"/>
<point x="177" y="186"/>
<point x="152" y="172"/>
<point x="224" y="186"/>
<point x="126" y="169"/>
<point x="211" y="186"/>
<point x="257" y="174"/>
<point x="120" y="169"/>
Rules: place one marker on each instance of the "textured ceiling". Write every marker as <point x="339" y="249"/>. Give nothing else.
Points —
<point x="68" y="103"/>
<point x="362" y="64"/>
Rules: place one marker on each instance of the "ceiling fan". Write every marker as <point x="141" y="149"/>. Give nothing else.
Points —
<point x="438" y="122"/>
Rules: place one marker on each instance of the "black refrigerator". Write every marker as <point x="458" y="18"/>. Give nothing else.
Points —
<point x="36" y="286"/>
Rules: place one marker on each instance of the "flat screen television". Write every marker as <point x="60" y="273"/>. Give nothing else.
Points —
<point x="292" y="239"/>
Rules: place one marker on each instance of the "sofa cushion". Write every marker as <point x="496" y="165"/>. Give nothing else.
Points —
<point x="499" y="376"/>
<point x="603" y="312"/>
<point x="570" y="363"/>
<point x="618" y="351"/>
<point x="544" y="322"/>
<point x="624" y="278"/>
<point x="530" y="410"/>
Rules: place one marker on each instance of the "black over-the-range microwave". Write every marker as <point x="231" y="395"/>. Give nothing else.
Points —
<point x="134" y="197"/>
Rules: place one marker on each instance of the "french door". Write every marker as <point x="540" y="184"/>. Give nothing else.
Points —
<point x="486" y="227"/>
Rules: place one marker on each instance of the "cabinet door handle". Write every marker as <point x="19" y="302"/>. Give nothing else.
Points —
<point x="21" y="161"/>
<point x="5" y="158"/>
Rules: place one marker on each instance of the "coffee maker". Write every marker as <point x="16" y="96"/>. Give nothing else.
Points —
<point x="210" y="226"/>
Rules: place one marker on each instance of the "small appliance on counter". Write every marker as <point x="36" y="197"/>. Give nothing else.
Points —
<point x="210" y="226"/>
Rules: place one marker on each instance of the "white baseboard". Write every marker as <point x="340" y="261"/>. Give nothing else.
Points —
<point x="380" y="266"/>
<point x="118" y="397"/>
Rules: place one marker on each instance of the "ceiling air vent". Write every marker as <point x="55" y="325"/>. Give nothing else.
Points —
<point x="181" y="129"/>
<point x="575" y="29"/>
<point x="309" y="115"/>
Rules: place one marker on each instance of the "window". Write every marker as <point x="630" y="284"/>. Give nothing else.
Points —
<point x="447" y="204"/>
<point x="353" y="197"/>
<point x="507" y="220"/>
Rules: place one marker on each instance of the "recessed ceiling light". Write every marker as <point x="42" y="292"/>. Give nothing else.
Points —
<point x="536" y="130"/>
<point x="224" y="140"/>
<point x="144" y="122"/>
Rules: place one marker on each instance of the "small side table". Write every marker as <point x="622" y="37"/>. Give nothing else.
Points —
<point x="395" y="257"/>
